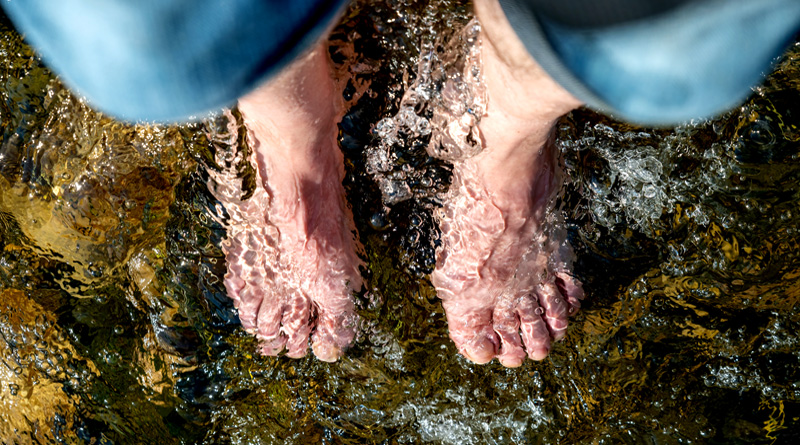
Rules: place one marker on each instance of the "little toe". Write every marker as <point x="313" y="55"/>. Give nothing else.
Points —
<point x="571" y="289"/>
<point x="246" y="298"/>
<point x="556" y="309"/>
<point x="272" y="346"/>
<point x="535" y="335"/>
<point x="506" y="325"/>
<point x="480" y="349"/>
<point x="246" y="301"/>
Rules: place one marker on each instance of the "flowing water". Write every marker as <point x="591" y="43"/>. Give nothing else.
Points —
<point x="115" y="327"/>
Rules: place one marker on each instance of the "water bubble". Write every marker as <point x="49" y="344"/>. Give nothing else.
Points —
<point x="394" y="190"/>
<point x="95" y="270"/>
<point x="407" y="118"/>
<point x="378" y="160"/>
<point x="378" y="221"/>
<point x="538" y="311"/>
<point x="423" y="126"/>
<point x="385" y="128"/>
<point x="708" y="432"/>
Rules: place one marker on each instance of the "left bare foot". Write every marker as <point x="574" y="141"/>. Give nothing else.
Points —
<point x="499" y="272"/>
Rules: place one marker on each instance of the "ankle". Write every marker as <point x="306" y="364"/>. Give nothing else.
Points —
<point x="517" y="85"/>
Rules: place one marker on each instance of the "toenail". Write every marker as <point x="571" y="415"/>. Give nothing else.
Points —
<point x="513" y="362"/>
<point x="326" y="353"/>
<point x="538" y="353"/>
<point x="480" y="352"/>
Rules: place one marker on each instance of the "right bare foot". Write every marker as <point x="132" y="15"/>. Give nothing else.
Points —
<point x="291" y="248"/>
<point x="503" y="276"/>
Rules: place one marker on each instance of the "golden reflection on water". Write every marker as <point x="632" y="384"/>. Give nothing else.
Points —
<point x="93" y="191"/>
<point x="35" y="361"/>
<point x="115" y="327"/>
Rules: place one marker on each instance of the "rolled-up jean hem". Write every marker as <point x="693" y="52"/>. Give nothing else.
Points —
<point x="694" y="61"/>
<point x="169" y="60"/>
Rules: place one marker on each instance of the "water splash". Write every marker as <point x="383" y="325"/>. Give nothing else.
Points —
<point x="446" y="101"/>
<point x="691" y="302"/>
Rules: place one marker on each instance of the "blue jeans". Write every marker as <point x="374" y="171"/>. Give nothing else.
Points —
<point x="167" y="60"/>
<point x="692" y="62"/>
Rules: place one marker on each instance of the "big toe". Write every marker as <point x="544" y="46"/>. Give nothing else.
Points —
<point x="334" y="333"/>
<point x="473" y="334"/>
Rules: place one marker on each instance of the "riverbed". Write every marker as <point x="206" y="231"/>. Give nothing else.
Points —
<point x="115" y="326"/>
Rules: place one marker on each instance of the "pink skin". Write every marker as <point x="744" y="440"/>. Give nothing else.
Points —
<point x="506" y="286"/>
<point x="291" y="249"/>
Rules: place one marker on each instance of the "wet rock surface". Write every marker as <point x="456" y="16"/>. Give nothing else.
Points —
<point x="686" y="240"/>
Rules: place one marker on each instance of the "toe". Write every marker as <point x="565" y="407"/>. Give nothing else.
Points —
<point x="571" y="289"/>
<point x="480" y="349"/>
<point x="269" y="322"/>
<point x="556" y="309"/>
<point x="326" y="351"/>
<point x="272" y="346"/>
<point x="244" y="289"/>
<point x="473" y="333"/>
<point x="296" y="325"/>
<point x="334" y="332"/>
<point x="535" y="335"/>
<point x="246" y="302"/>
<point x="506" y="325"/>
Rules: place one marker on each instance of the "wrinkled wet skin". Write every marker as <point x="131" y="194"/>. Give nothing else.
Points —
<point x="291" y="252"/>
<point x="503" y="271"/>
<point x="690" y="265"/>
<point x="505" y="284"/>
<point x="498" y="261"/>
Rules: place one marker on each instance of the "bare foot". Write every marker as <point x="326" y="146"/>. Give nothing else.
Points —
<point x="502" y="272"/>
<point x="291" y="249"/>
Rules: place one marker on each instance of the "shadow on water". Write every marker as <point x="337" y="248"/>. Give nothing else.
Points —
<point x="115" y="326"/>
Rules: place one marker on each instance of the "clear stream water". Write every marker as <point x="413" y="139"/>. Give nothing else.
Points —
<point x="115" y="328"/>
